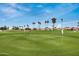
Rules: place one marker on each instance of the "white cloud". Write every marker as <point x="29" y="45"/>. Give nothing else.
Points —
<point x="8" y="10"/>
<point x="20" y="7"/>
<point x="10" y="13"/>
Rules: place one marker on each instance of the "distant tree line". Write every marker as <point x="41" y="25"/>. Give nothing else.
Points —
<point x="4" y="28"/>
<point x="27" y="27"/>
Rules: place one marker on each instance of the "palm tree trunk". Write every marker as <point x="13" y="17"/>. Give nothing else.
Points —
<point x="39" y="26"/>
<point x="48" y="26"/>
<point x="33" y="26"/>
<point x="53" y="26"/>
<point x="24" y="28"/>
<point x="45" y="26"/>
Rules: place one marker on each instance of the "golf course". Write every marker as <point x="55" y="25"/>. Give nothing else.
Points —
<point x="39" y="43"/>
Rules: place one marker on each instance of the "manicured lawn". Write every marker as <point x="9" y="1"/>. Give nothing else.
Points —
<point x="39" y="43"/>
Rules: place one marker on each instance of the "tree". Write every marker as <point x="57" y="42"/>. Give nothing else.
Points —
<point x="15" y="28"/>
<point x="21" y="27"/>
<point x="24" y="28"/>
<point x="39" y="23"/>
<point x="27" y="27"/>
<point x="78" y="24"/>
<point x="4" y="28"/>
<point x="53" y="21"/>
<point x="33" y="25"/>
<point x="46" y="23"/>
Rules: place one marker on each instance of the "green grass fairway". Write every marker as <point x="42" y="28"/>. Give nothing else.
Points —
<point x="39" y="43"/>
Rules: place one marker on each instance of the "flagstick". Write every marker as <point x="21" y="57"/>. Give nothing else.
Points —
<point x="62" y="30"/>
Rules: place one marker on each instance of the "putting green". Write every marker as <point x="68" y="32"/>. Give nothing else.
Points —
<point x="39" y="43"/>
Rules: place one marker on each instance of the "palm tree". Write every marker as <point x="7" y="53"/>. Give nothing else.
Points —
<point x="46" y="23"/>
<point x="39" y="23"/>
<point x="53" y="21"/>
<point x="21" y="27"/>
<point x="15" y="28"/>
<point x="78" y="24"/>
<point x="27" y="26"/>
<point x="33" y="25"/>
<point x="24" y="28"/>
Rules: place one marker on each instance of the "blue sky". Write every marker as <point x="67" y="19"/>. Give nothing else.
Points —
<point x="25" y="13"/>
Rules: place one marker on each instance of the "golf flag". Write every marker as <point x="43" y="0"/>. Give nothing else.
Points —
<point x="62" y="32"/>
